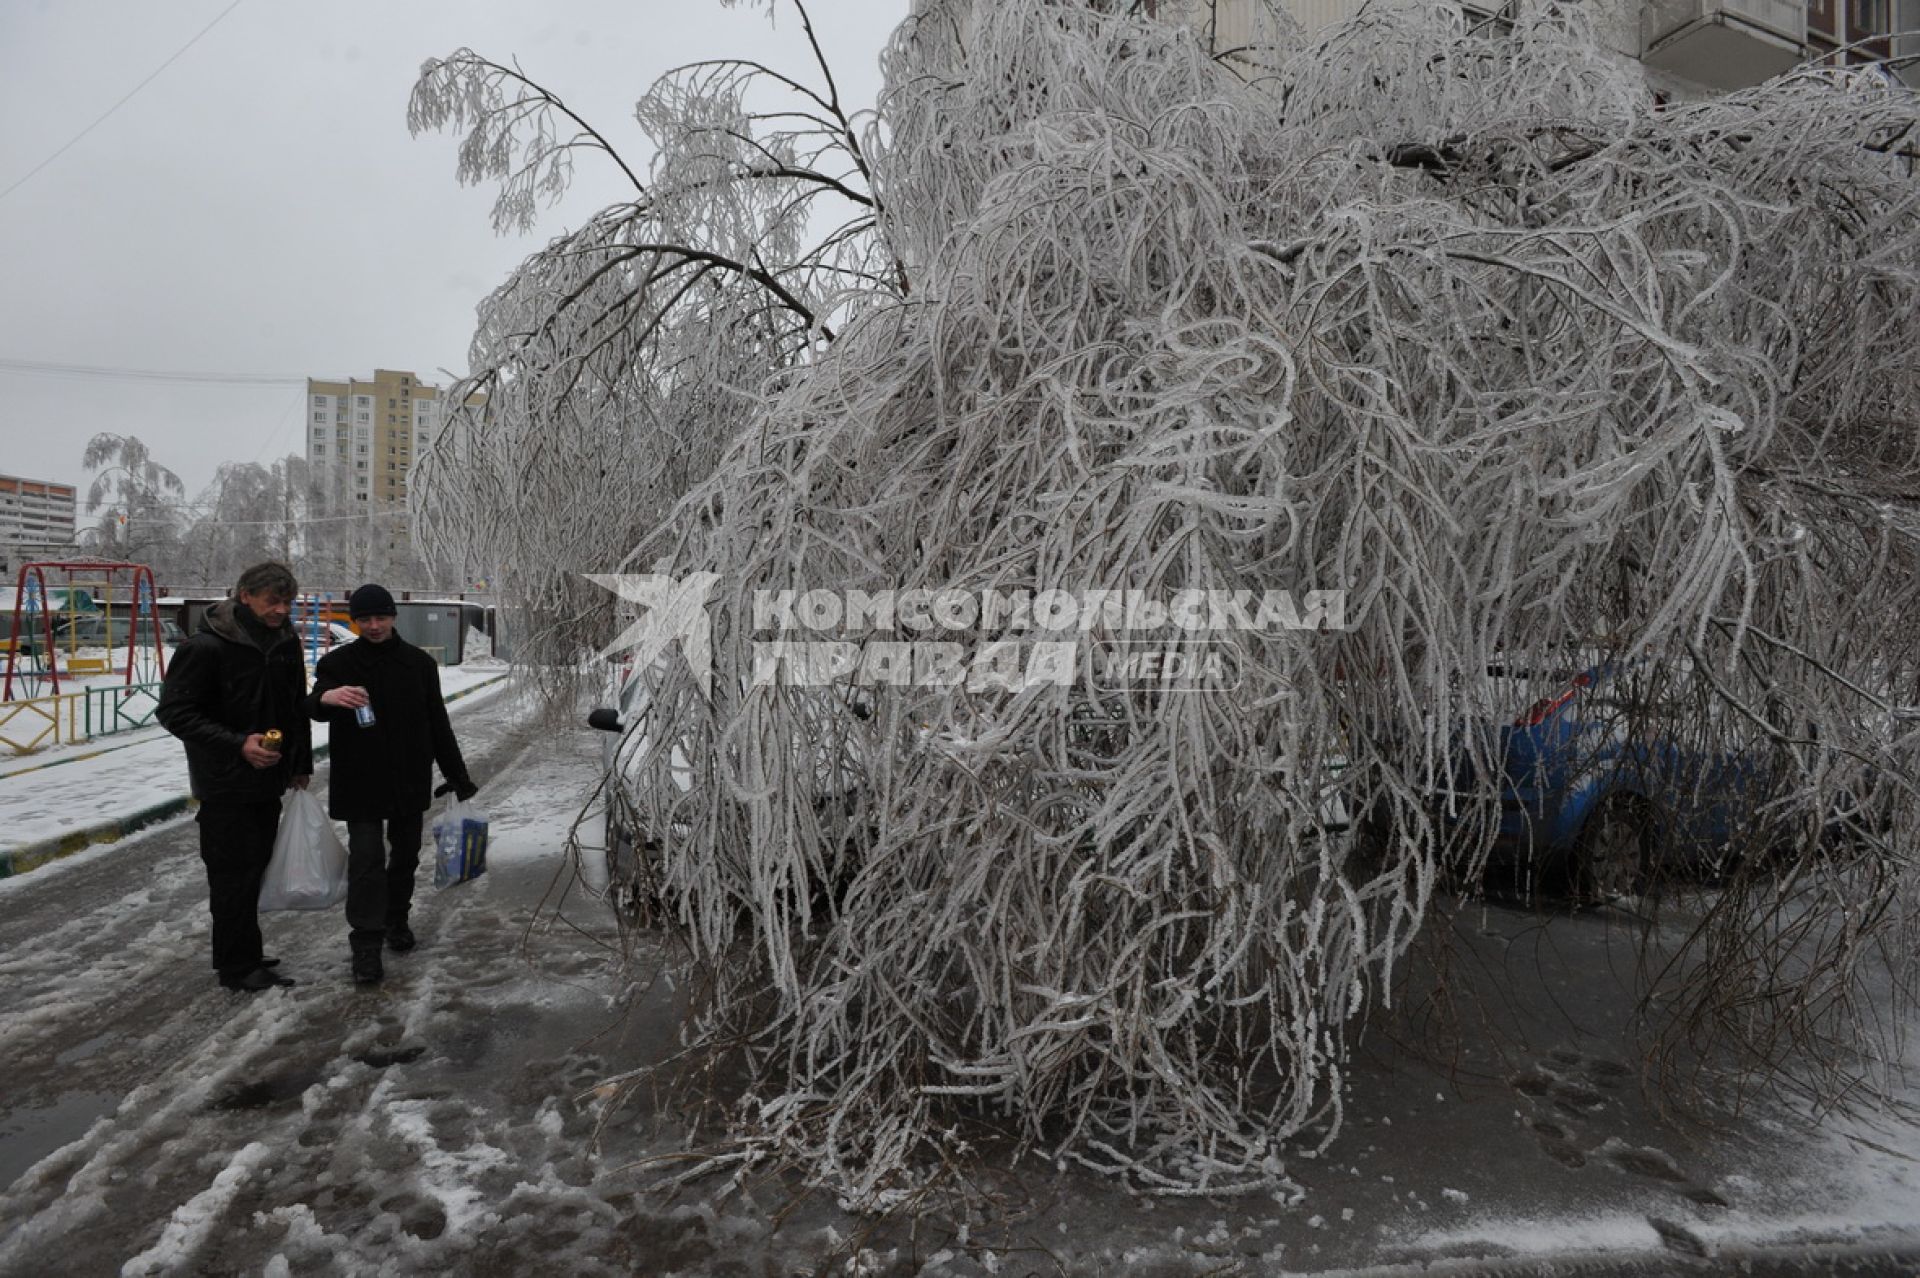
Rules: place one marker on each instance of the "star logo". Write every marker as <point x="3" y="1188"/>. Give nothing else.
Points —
<point x="676" y="610"/>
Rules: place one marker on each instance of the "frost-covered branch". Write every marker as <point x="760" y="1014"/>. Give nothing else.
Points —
<point x="1536" y="371"/>
<point x="619" y="359"/>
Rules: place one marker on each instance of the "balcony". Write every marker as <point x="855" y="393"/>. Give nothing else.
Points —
<point x="1723" y="44"/>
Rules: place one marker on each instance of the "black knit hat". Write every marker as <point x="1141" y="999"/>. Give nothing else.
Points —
<point x="371" y="601"/>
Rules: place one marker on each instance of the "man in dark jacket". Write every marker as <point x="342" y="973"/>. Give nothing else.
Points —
<point x="387" y="727"/>
<point x="237" y="678"/>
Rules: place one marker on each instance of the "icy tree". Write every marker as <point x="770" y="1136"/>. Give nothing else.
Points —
<point x="301" y="513"/>
<point x="1464" y="324"/>
<point x="130" y="492"/>
<point x="617" y="363"/>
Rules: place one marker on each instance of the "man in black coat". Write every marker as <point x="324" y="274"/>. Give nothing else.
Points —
<point x="239" y="676"/>
<point x="387" y="727"/>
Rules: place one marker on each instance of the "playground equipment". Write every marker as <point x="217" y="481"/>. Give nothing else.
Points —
<point x="71" y="605"/>
<point x="313" y="621"/>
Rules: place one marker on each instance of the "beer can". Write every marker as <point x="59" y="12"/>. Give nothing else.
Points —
<point x="363" y="715"/>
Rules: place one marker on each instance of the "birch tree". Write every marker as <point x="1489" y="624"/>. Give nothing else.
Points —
<point x="129" y="491"/>
<point x="1469" y="327"/>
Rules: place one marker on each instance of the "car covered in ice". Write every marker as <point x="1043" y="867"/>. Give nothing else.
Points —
<point x="645" y="777"/>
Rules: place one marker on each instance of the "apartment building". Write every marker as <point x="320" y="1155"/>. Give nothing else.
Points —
<point x="1690" y="48"/>
<point x="36" y="511"/>
<point x="1728" y="44"/>
<point x="376" y="427"/>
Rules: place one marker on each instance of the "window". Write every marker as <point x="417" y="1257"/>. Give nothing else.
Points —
<point x="390" y="466"/>
<point x="389" y="419"/>
<point x="361" y="449"/>
<point x="1869" y="15"/>
<point x="363" y="401"/>
<point x="320" y="400"/>
<point x="359" y="465"/>
<point x="392" y="403"/>
<point x="319" y="450"/>
<point x="360" y="417"/>
<point x="319" y="417"/>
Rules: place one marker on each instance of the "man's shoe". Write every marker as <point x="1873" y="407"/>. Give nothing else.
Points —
<point x="399" y="938"/>
<point x="366" y="964"/>
<point x="269" y="962"/>
<point x="255" y="981"/>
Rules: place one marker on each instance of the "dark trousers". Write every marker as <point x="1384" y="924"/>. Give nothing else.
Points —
<point x="380" y="865"/>
<point x="236" y="842"/>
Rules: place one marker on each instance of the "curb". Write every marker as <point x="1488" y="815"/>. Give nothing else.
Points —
<point x="81" y="758"/>
<point x="31" y="856"/>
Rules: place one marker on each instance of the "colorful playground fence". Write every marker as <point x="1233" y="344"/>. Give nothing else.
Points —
<point x="64" y="718"/>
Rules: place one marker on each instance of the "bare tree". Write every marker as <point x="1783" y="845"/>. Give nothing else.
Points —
<point x="1472" y="329"/>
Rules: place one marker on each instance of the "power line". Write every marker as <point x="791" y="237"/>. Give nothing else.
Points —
<point x="201" y="512"/>
<point x="367" y="516"/>
<point x="279" y="430"/>
<point x="122" y="102"/>
<point x="98" y="372"/>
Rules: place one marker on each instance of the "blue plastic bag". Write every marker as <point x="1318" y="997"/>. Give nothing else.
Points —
<point x="460" y="844"/>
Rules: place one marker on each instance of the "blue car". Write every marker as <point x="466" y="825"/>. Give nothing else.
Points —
<point x="1605" y="781"/>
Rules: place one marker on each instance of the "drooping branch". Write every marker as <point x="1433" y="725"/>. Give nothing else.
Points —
<point x="1538" y="374"/>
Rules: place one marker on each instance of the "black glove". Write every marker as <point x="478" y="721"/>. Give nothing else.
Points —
<point x="463" y="789"/>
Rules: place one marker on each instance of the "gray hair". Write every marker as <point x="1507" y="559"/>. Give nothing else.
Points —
<point x="267" y="578"/>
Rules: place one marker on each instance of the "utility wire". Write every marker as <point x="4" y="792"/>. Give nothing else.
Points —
<point x="43" y="368"/>
<point x="365" y="516"/>
<point x="122" y="102"/>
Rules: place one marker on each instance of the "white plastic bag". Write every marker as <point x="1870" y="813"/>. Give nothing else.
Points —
<point x="309" y="866"/>
<point x="459" y="843"/>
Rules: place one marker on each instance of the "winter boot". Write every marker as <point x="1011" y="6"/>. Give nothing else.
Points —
<point x="366" y="958"/>
<point x="260" y="978"/>
<point x="399" y="936"/>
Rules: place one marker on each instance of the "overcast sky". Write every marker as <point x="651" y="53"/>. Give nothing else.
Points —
<point x="259" y="209"/>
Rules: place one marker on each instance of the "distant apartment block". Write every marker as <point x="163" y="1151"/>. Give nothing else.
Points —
<point x="378" y="428"/>
<point x="36" y="511"/>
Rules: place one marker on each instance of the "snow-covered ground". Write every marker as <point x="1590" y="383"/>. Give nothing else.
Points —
<point x="451" y="1120"/>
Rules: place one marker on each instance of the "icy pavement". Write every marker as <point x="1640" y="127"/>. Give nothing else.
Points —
<point x="448" y="1121"/>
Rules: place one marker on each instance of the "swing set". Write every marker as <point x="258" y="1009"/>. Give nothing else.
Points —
<point x="81" y="606"/>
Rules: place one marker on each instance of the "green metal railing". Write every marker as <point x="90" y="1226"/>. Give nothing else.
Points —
<point x="120" y="708"/>
<point x="33" y="723"/>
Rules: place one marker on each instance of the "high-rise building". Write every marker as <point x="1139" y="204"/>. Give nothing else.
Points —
<point x="377" y="427"/>
<point x="36" y="511"/>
